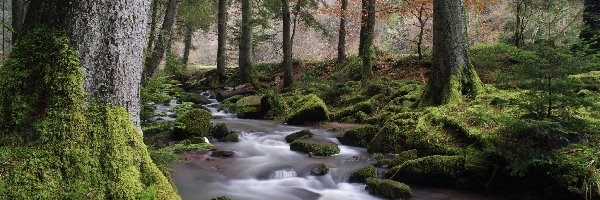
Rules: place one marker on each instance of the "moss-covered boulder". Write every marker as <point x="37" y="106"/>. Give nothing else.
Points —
<point x="317" y="148"/>
<point x="273" y="106"/>
<point x="359" y="136"/>
<point x="388" y="189"/>
<point x="320" y="170"/>
<point x="297" y="135"/>
<point x="196" y="98"/>
<point x="249" y="107"/>
<point x="219" y="131"/>
<point x="387" y="140"/>
<point x="231" y="137"/>
<point x="52" y="146"/>
<point x="437" y="170"/>
<point x="403" y="157"/>
<point x="361" y="175"/>
<point x="308" y="109"/>
<point x="365" y="107"/>
<point x="192" y="123"/>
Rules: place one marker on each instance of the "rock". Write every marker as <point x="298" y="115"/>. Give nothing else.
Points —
<point x="361" y="175"/>
<point x="194" y="98"/>
<point x="273" y="106"/>
<point x="388" y="189"/>
<point x="318" y="148"/>
<point x="320" y="170"/>
<point x="386" y="140"/>
<point x="249" y="107"/>
<point x="231" y="137"/>
<point x="219" y="131"/>
<point x="308" y="109"/>
<point x="297" y="135"/>
<point x="221" y="198"/>
<point x="360" y="136"/>
<point x="192" y="123"/>
<point x="436" y="170"/>
<point x="222" y="154"/>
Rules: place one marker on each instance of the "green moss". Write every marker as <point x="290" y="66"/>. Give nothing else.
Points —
<point x="366" y="107"/>
<point x="361" y="175"/>
<point x="308" y="108"/>
<point x="297" y="135"/>
<point x="403" y="157"/>
<point x="360" y="136"/>
<point x="273" y="106"/>
<point x="253" y="101"/>
<point x="192" y="123"/>
<point x="219" y="131"/>
<point x="231" y="137"/>
<point x="320" y="170"/>
<point x="388" y="189"/>
<point x="194" y="98"/>
<point x="386" y="140"/>
<point x="439" y="170"/>
<point x="249" y="112"/>
<point x="318" y="148"/>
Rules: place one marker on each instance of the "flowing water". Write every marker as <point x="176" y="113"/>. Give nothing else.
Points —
<point x="264" y="168"/>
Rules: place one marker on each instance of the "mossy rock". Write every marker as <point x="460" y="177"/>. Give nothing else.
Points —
<point x="318" y="148"/>
<point x="194" y="98"/>
<point x="366" y="107"/>
<point x="387" y="140"/>
<point x="67" y="150"/>
<point x="360" y="136"/>
<point x="361" y="175"/>
<point x="231" y="137"/>
<point x="436" y="170"/>
<point x="320" y="170"/>
<point x="249" y="112"/>
<point x="388" y="189"/>
<point x="308" y="109"/>
<point x="253" y="101"/>
<point x="297" y="135"/>
<point x="219" y="131"/>
<point x="403" y="157"/>
<point x="192" y="123"/>
<point x="273" y="106"/>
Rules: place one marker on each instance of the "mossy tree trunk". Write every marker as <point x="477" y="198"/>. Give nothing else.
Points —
<point x="452" y="74"/>
<point x="367" y="28"/>
<point x="245" y="48"/>
<point x="342" y="33"/>
<point x="287" y="45"/>
<point x="187" y="44"/>
<point x="222" y="41"/>
<point x="163" y="41"/>
<point x="591" y="19"/>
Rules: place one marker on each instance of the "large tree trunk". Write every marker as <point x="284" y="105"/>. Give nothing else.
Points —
<point x="110" y="37"/>
<point x="452" y="75"/>
<point x="163" y="41"/>
<point x="222" y="41"/>
<point x="342" y="34"/>
<point x="245" y="51"/>
<point x="287" y="47"/>
<point x="591" y="19"/>
<point x="367" y="27"/>
<point x="187" y="44"/>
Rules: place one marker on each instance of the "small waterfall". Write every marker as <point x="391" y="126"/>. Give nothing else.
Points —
<point x="283" y="173"/>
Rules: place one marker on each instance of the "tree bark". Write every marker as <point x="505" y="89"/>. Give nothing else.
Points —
<point x="342" y="34"/>
<point x="452" y="75"/>
<point x="287" y="47"/>
<point x="245" y="51"/>
<point x="187" y="44"/>
<point x="517" y="39"/>
<point x="110" y="37"/>
<point x="367" y="28"/>
<point x="153" y="24"/>
<point x="163" y="41"/>
<point x="591" y="19"/>
<point x="222" y="41"/>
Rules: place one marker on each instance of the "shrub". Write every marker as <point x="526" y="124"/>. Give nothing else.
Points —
<point x="388" y="189"/>
<point x="318" y="148"/>
<point x="297" y="135"/>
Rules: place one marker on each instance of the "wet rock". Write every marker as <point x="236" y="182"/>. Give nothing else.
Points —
<point x="297" y="135"/>
<point x="318" y="148"/>
<point x="320" y="170"/>
<point x="194" y="98"/>
<point x="308" y="109"/>
<point x="222" y="154"/>
<point x="388" y="189"/>
<point x="361" y="175"/>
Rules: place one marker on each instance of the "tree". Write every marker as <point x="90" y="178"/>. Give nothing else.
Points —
<point x="422" y="11"/>
<point x="288" y="78"/>
<point x="245" y="46"/>
<point x="367" y="28"/>
<point x="452" y="74"/>
<point x="192" y="16"/>
<point x="342" y="33"/>
<point x="591" y="20"/>
<point x="222" y="41"/>
<point x="164" y="40"/>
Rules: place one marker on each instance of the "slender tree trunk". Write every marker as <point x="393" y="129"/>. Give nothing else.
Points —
<point x="421" y="33"/>
<point x="187" y="44"/>
<point x="367" y="28"/>
<point x="518" y="13"/>
<point x="287" y="46"/>
<point x="591" y="19"/>
<point x="342" y="34"/>
<point x="245" y="57"/>
<point x="452" y="75"/>
<point x="19" y="10"/>
<point x="163" y="41"/>
<point x="297" y="8"/>
<point x="222" y="41"/>
<point x="153" y="24"/>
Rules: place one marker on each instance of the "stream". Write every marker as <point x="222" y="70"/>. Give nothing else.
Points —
<point x="264" y="168"/>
